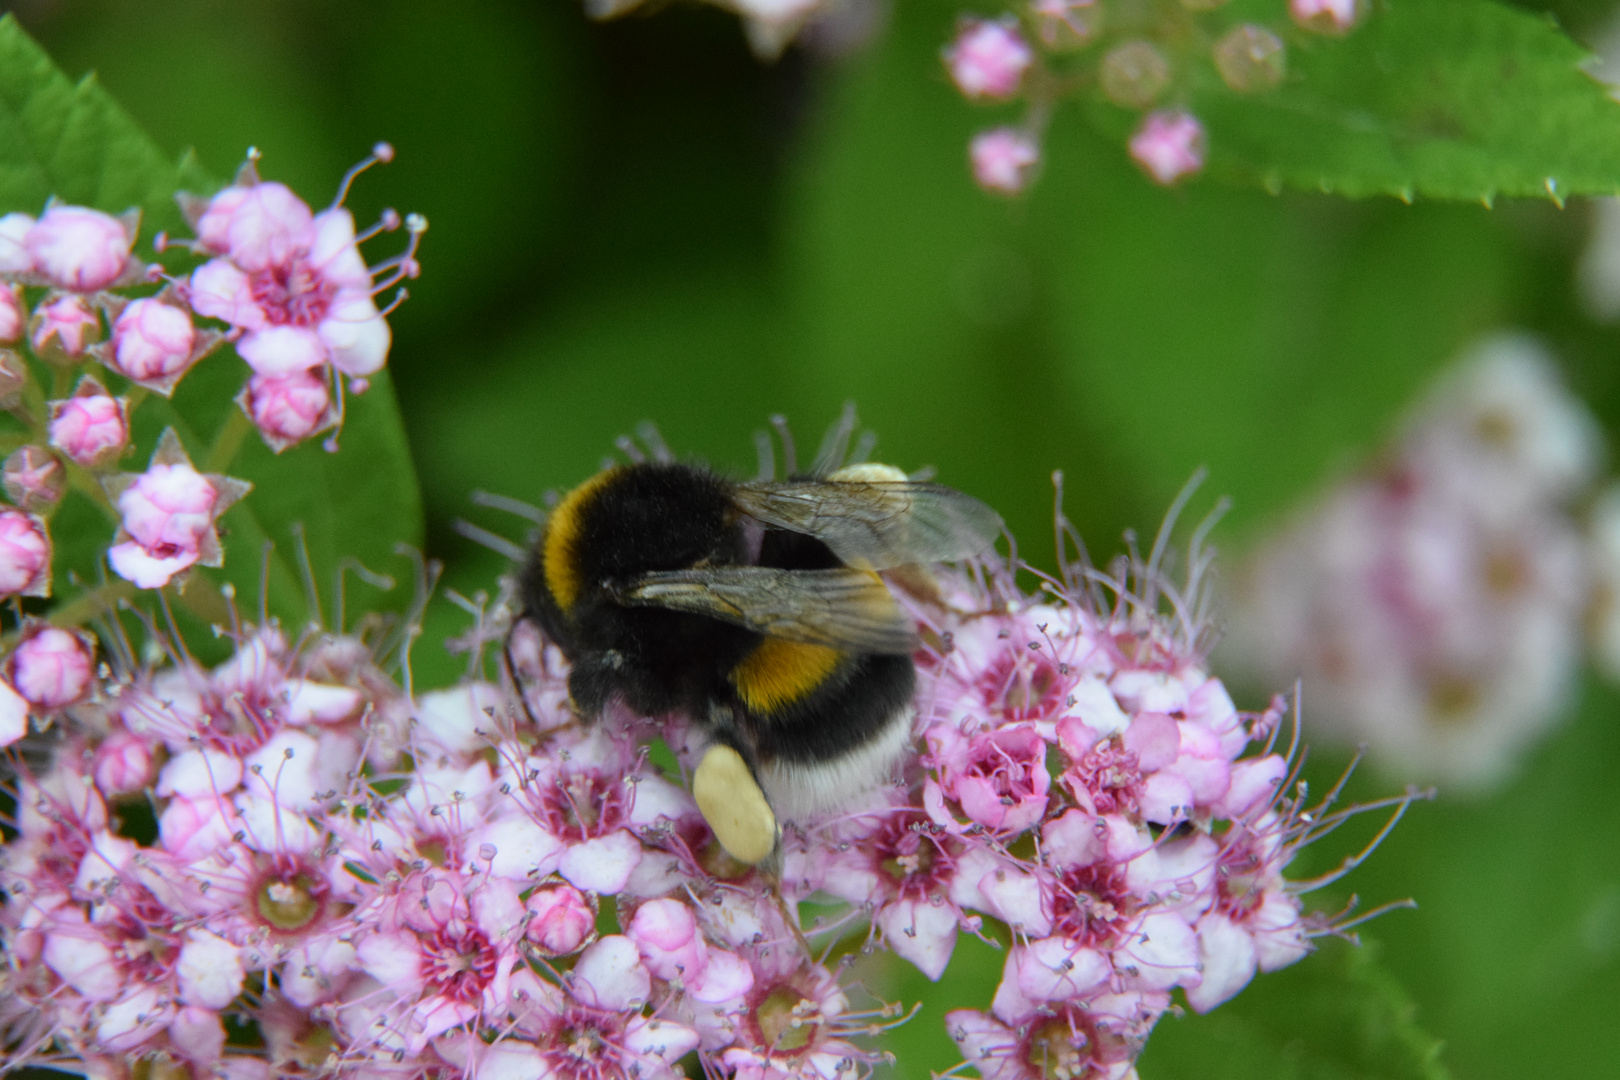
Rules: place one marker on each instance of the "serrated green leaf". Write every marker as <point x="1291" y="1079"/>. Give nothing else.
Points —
<point x="1338" y="1015"/>
<point x="1453" y="99"/>
<point x="71" y="140"/>
<point x="74" y="142"/>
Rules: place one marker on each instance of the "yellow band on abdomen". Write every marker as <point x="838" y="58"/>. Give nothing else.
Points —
<point x="779" y="673"/>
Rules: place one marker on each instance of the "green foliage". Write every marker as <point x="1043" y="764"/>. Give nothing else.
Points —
<point x="1453" y="99"/>
<point x="72" y="141"/>
<point x="1338" y="1015"/>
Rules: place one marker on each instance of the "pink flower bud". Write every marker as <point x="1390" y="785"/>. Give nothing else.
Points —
<point x="14" y="257"/>
<point x="287" y="408"/>
<point x="1134" y="74"/>
<point x="63" y="324"/>
<point x="51" y="668"/>
<point x="12" y="317"/>
<point x="25" y="555"/>
<point x="988" y="59"/>
<point x="168" y="511"/>
<point x="77" y="248"/>
<point x="152" y="341"/>
<point x="667" y="935"/>
<point x="1169" y="145"/>
<point x="90" y="428"/>
<point x="33" y="478"/>
<point x="562" y="921"/>
<point x="1325" y="16"/>
<point x="1003" y="159"/>
<point x="123" y="764"/>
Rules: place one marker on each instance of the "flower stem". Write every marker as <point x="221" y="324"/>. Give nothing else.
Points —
<point x="227" y="441"/>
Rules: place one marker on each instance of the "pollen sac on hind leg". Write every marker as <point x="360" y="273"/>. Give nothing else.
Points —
<point x="735" y="808"/>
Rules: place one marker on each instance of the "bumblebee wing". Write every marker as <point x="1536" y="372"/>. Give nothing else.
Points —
<point x="877" y="524"/>
<point x="843" y="608"/>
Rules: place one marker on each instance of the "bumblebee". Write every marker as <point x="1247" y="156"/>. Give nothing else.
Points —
<point x="757" y="610"/>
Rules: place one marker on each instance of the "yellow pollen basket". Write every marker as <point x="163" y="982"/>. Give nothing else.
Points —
<point x="733" y="805"/>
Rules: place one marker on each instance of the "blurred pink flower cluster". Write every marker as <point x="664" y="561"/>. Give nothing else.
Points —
<point x="473" y="883"/>
<point x="1047" y="50"/>
<point x="1436" y="602"/>
<point x="295" y="298"/>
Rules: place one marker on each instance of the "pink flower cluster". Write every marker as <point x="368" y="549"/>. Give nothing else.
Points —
<point x="472" y="883"/>
<point x="297" y="295"/>
<point x="1052" y="49"/>
<point x="296" y="298"/>
<point x="1435" y="602"/>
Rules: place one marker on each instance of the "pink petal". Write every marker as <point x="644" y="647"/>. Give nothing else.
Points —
<point x="1052" y="969"/>
<point x="282" y="350"/>
<point x="922" y="933"/>
<point x="1228" y="958"/>
<point x="602" y="865"/>
<point x="610" y="975"/>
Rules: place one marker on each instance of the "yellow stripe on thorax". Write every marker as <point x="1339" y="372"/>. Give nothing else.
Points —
<point x="561" y="552"/>
<point x="779" y="672"/>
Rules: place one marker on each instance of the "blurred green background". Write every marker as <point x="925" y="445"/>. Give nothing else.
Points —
<point x="640" y="221"/>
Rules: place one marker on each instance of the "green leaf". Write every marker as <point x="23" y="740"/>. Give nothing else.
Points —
<point x="1454" y="99"/>
<point x="1338" y="1015"/>
<point x="74" y="142"/>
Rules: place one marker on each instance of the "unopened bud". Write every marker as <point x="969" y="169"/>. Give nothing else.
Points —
<point x="1003" y="159"/>
<point x="1251" y="58"/>
<point x="33" y="478"/>
<point x="1135" y="74"/>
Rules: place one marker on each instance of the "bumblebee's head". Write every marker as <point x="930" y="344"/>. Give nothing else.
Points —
<point x="633" y="519"/>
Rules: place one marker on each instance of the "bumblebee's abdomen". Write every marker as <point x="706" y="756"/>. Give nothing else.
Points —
<point x="779" y="674"/>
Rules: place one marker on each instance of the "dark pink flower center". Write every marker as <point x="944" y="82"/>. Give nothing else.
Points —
<point x="458" y="965"/>
<point x="1091" y="905"/>
<point x="293" y="294"/>
<point x="1110" y="774"/>
<point x="1022" y="686"/>
<point x="580" y="805"/>
<point x="911" y="858"/>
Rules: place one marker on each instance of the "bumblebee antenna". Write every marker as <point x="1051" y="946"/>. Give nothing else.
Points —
<point x="790" y="457"/>
<point x="835" y="444"/>
<point x="510" y="667"/>
<point x="766" y="454"/>
<point x="653" y="440"/>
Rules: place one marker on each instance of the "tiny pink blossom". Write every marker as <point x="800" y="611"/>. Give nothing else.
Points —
<point x="561" y="922"/>
<point x="25" y="555"/>
<point x="288" y="409"/>
<point x="152" y="341"/>
<point x="33" y="477"/>
<point x="988" y="59"/>
<point x="1003" y="159"/>
<point x="123" y="764"/>
<point x="90" y="428"/>
<point x="77" y="248"/>
<point x="168" y="516"/>
<point x="668" y="938"/>
<point x="14" y="257"/>
<point x="52" y="667"/>
<point x="1169" y="145"/>
<point x="63" y="323"/>
<point x="1325" y="16"/>
<point x="12" y="316"/>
